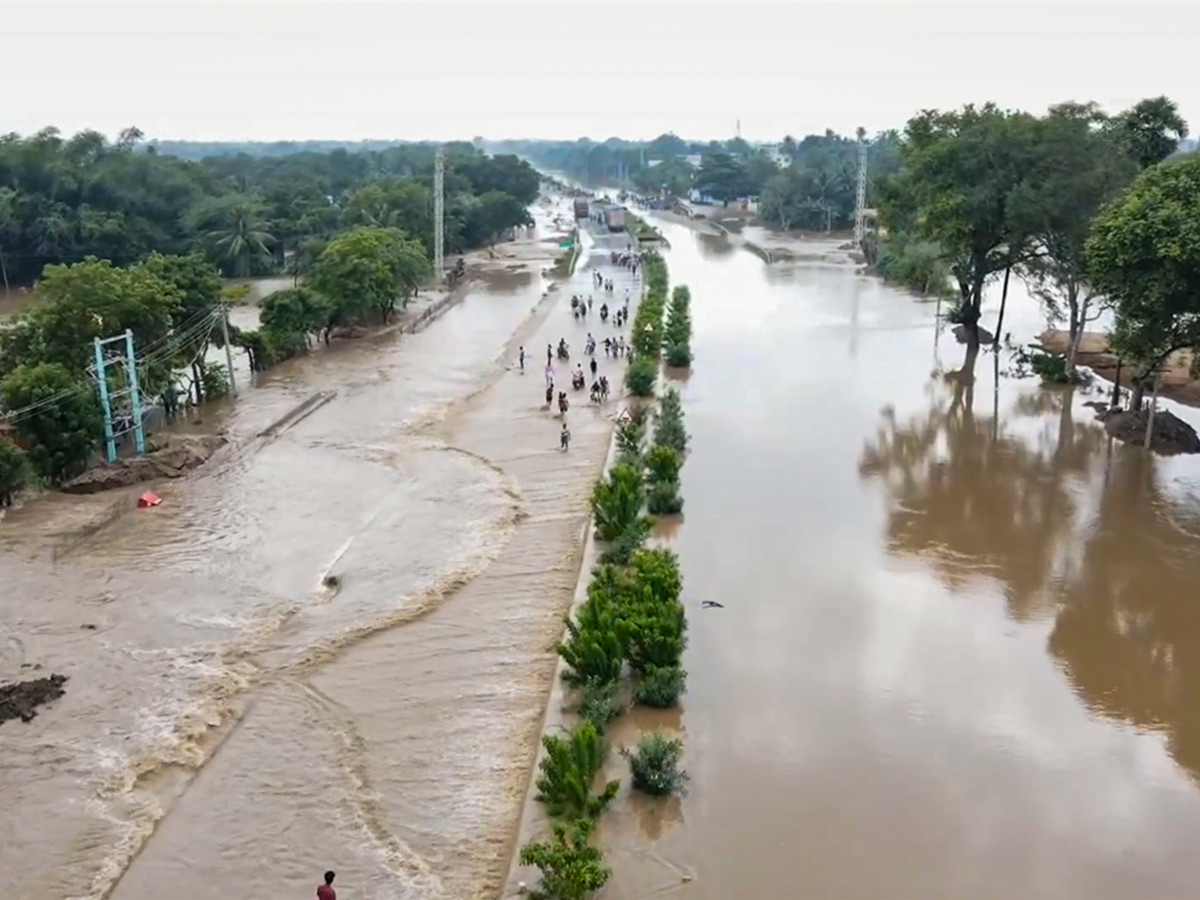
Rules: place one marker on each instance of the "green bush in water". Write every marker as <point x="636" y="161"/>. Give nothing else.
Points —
<point x="568" y="770"/>
<point x="658" y="570"/>
<point x="598" y="704"/>
<point x="660" y="686"/>
<point x="663" y="464"/>
<point x="1050" y="366"/>
<point x="679" y="356"/>
<point x="641" y="377"/>
<point x="629" y="541"/>
<point x="655" y="765"/>
<point x="668" y="426"/>
<point x="662" y="499"/>
<point x="571" y="868"/>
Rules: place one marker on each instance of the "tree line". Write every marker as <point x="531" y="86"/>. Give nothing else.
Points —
<point x="1092" y="211"/>
<point x="808" y="183"/>
<point x="121" y="237"/>
<point x="64" y="199"/>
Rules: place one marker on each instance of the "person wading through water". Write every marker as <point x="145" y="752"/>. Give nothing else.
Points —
<point x="564" y="443"/>
<point x="325" y="891"/>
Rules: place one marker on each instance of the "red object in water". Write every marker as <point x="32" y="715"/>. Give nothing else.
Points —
<point x="149" y="499"/>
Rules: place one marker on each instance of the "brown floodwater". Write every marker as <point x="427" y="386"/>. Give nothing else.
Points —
<point x="954" y="656"/>
<point x="960" y="630"/>
<point x="232" y="725"/>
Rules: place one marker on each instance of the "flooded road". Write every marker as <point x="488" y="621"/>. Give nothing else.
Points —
<point x="233" y="726"/>
<point x="960" y="638"/>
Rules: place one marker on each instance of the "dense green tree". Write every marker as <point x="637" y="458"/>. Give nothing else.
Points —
<point x="723" y="177"/>
<point x="234" y="228"/>
<point x="292" y="316"/>
<point x="394" y="203"/>
<point x="56" y="417"/>
<point x="962" y="171"/>
<point x="87" y="300"/>
<point x="369" y="269"/>
<point x="1151" y="130"/>
<point x="494" y="213"/>
<point x="1144" y="253"/>
<point x="14" y="470"/>
<point x="1080" y="168"/>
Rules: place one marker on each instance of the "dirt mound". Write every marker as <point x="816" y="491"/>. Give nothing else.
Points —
<point x="1171" y="434"/>
<point x="21" y="700"/>
<point x="174" y="460"/>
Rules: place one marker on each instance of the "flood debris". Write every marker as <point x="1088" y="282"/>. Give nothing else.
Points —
<point x="173" y="460"/>
<point x="21" y="699"/>
<point x="1170" y="435"/>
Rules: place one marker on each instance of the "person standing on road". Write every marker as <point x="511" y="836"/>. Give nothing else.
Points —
<point x="325" y="891"/>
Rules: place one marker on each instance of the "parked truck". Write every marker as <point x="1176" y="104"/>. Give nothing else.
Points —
<point x="582" y="210"/>
<point x="614" y="218"/>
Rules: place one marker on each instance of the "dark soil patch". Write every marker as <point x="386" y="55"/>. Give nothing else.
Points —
<point x="1171" y="435"/>
<point x="21" y="700"/>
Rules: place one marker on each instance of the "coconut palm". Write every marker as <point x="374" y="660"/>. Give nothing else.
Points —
<point x="236" y="232"/>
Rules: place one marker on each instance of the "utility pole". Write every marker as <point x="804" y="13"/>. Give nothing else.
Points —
<point x="228" y="349"/>
<point x="860" y="191"/>
<point x="439" y="215"/>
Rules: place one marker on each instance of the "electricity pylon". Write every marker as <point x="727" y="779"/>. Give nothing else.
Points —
<point x="860" y="191"/>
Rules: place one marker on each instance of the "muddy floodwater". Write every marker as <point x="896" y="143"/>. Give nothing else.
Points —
<point x="957" y="656"/>
<point x="960" y="648"/>
<point x="233" y="725"/>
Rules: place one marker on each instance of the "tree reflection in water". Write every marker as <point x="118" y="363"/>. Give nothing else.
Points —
<point x="974" y="500"/>
<point x="1124" y="585"/>
<point x="1128" y="631"/>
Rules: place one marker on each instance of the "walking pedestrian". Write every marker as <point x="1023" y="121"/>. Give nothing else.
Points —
<point x="564" y="444"/>
<point x="593" y="367"/>
<point x="521" y="357"/>
<point x="325" y="891"/>
<point x="549" y="394"/>
<point x="549" y="355"/>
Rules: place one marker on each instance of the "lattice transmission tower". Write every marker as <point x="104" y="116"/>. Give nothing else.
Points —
<point x="439" y="215"/>
<point x="860" y="190"/>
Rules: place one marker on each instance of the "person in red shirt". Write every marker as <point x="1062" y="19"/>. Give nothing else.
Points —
<point x="325" y="891"/>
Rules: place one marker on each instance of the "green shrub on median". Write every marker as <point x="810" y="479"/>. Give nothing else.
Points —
<point x="568" y="770"/>
<point x="641" y="376"/>
<point x="571" y="868"/>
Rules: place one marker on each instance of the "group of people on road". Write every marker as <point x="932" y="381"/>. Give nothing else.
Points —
<point x="615" y="347"/>
<point x="628" y="260"/>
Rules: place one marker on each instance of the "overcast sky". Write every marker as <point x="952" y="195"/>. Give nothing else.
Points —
<point x="452" y="69"/>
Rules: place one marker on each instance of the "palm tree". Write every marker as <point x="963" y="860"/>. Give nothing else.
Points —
<point x="236" y="231"/>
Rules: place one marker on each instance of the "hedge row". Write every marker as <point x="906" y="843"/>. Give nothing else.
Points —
<point x="632" y="623"/>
